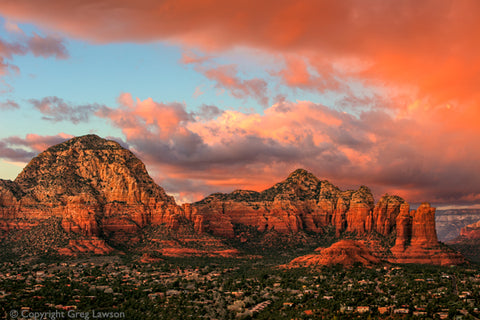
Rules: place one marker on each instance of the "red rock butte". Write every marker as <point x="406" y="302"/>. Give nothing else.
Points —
<point x="98" y="189"/>
<point x="344" y="252"/>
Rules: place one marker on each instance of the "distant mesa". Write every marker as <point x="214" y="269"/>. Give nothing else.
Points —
<point x="472" y="231"/>
<point x="99" y="190"/>
<point x="468" y="242"/>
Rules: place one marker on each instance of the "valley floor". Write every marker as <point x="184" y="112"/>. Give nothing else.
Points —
<point x="122" y="288"/>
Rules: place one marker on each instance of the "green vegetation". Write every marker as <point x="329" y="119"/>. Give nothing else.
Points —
<point x="219" y="288"/>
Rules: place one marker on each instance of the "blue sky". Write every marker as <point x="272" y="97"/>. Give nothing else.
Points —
<point x="238" y="97"/>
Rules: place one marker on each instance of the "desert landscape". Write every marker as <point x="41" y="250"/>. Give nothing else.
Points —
<point x="192" y="159"/>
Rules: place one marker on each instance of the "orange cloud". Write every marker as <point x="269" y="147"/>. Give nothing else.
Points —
<point x="421" y="58"/>
<point x="24" y="149"/>
<point x="231" y="149"/>
<point x="428" y="47"/>
<point x="226" y="78"/>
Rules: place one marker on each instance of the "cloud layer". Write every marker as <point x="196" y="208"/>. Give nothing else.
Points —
<point x="193" y="154"/>
<point x="48" y="46"/>
<point x="249" y="150"/>
<point x="19" y="149"/>
<point x="56" y="109"/>
<point x="425" y="47"/>
<point x="415" y="125"/>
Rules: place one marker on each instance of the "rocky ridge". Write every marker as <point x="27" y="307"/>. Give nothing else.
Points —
<point x="303" y="202"/>
<point x="96" y="185"/>
<point x="450" y="222"/>
<point x="98" y="188"/>
<point x="468" y="242"/>
<point x="101" y="191"/>
<point x="472" y="231"/>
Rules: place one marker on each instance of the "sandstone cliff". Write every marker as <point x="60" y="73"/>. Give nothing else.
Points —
<point x="98" y="190"/>
<point x="416" y="240"/>
<point x="95" y="185"/>
<point x="344" y="252"/>
<point x="472" y="231"/>
<point x="303" y="202"/>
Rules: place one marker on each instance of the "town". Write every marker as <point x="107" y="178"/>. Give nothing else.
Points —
<point x="199" y="288"/>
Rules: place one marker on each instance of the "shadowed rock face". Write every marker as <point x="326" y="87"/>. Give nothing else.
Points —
<point x="96" y="185"/>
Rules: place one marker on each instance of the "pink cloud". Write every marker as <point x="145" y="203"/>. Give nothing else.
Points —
<point x="248" y="150"/>
<point x="9" y="104"/>
<point x="426" y="46"/>
<point x="37" y="142"/>
<point x="47" y="47"/>
<point x="320" y="77"/>
<point x="192" y="58"/>
<point x="146" y="118"/>
<point x="226" y="77"/>
<point x="19" y="149"/>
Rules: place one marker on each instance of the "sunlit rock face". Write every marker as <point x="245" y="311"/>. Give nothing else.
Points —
<point x="344" y="252"/>
<point x="472" y="231"/>
<point x="101" y="190"/>
<point x="96" y="185"/>
<point x="303" y="202"/>
<point x="416" y="240"/>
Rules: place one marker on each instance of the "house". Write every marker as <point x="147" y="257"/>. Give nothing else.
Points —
<point x="363" y="309"/>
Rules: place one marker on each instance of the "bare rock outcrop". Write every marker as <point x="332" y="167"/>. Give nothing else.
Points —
<point x="101" y="190"/>
<point x="93" y="245"/>
<point x="95" y="185"/>
<point x="344" y="252"/>
<point x="301" y="202"/>
<point x="472" y="231"/>
<point x="416" y="240"/>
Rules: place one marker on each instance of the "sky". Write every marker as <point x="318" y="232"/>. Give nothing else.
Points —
<point x="218" y="95"/>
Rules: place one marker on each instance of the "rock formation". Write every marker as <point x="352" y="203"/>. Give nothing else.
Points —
<point x="95" y="185"/>
<point x="449" y="222"/>
<point x="99" y="190"/>
<point x="472" y="231"/>
<point x="303" y="202"/>
<point x="468" y="242"/>
<point x="416" y="240"/>
<point x="344" y="252"/>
